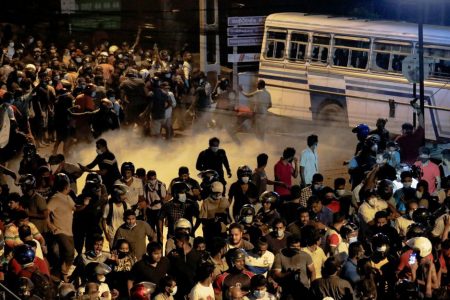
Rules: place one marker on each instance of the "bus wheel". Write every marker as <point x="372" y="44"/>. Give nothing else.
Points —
<point x="332" y="113"/>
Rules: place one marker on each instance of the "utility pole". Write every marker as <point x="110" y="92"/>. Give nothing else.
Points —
<point x="209" y="36"/>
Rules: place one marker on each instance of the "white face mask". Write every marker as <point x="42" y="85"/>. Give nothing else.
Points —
<point x="259" y="294"/>
<point x="214" y="149"/>
<point x="280" y="233"/>
<point x="419" y="195"/>
<point x="182" y="197"/>
<point x="352" y="239"/>
<point x="340" y="193"/>
<point x="99" y="151"/>
<point x="248" y="219"/>
<point x="372" y="201"/>
<point x="128" y="179"/>
<point x="245" y="179"/>
<point x="11" y="45"/>
<point x="374" y="148"/>
<point x="53" y="168"/>
<point x="407" y="184"/>
<point x="174" y="291"/>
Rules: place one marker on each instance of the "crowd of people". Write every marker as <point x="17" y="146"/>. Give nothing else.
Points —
<point x="128" y="235"/>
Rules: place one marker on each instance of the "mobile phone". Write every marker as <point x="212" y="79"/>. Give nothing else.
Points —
<point x="412" y="258"/>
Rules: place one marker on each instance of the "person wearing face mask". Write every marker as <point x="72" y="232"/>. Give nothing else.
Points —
<point x="107" y="163"/>
<point x="135" y="186"/>
<point x="406" y="192"/>
<point x="382" y="225"/>
<point x="404" y="222"/>
<point x="311" y="190"/>
<point x="181" y="226"/>
<point x="268" y="213"/>
<point x="214" y="213"/>
<point x="364" y="160"/>
<point x="214" y="158"/>
<point x="179" y="207"/>
<point x="284" y="170"/>
<point x="277" y="238"/>
<point x="259" y="286"/>
<point x="251" y="229"/>
<point x="168" y="287"/>
<point x="393" y="156"/>
<point x="382" y="260"/>
<point x="122" y="260"/>
<point x="136" y="232"/>
<point x="194" y="187"/>
<point x="241" y="192"/>
<point x="429" y="171"/>
<point x="371" y="205"/>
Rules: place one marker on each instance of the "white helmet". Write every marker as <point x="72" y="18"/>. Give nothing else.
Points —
<point x="113" y="49"/>
<point x="144" y="73"/>
<point x="421" y="244"/>
<point x="183" y="223"/>
<point x="216" y="187"/>
<point x="31" y="67"/>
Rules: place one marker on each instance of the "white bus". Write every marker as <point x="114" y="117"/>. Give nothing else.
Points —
<point x="348" y="70"/>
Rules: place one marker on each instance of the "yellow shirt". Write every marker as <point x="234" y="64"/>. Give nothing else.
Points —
<point x="318" y="257"/>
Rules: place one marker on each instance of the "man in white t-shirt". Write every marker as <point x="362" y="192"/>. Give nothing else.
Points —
<point x="134" y="184"/>
<point x="203" y="290"/>
<point x="309" y="161"/>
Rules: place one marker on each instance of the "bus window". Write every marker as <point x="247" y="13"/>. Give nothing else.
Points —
<point x="320" y="48"/>
<point x="351" y="52"/>
<point x="389" y="55"/>
<point x="441" y="57"/>
<point x="299" y="44"/>
<point x="276" y="44"/>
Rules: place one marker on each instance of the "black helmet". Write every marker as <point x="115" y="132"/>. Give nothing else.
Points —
<point x="233" y="255"/>
<point x="91" y="187"/>
<point x="127" y="166"/>
<point x="347" y="229"/>
<point x="27" y="182"/>
<point x="247" y="210"/>
<point x="244" y="171"/>
<point x="94" y="177"/>
<point x="209" y="175"/>
<point x="24" y="254"/>
<point x="179" y="187"/>
<point x="373" y="139"/>
<point x="415" y="230"/>
<point x="385" y="189"/>
<point x="380" y="243"/>
<point x="29" y="150"/>
<point x="269" y="196"/>
<point x="61" y="180"/>
<point x="421" y="216"/>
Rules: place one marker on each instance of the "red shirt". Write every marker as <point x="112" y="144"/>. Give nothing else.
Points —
<point x="283" y="172"/>
<point x="404" y="266"/>
<point x="17" y="269"/>
<point x="429" y="174"/>
<point x="410" y="144"/>
<point x="335" y="206"/>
